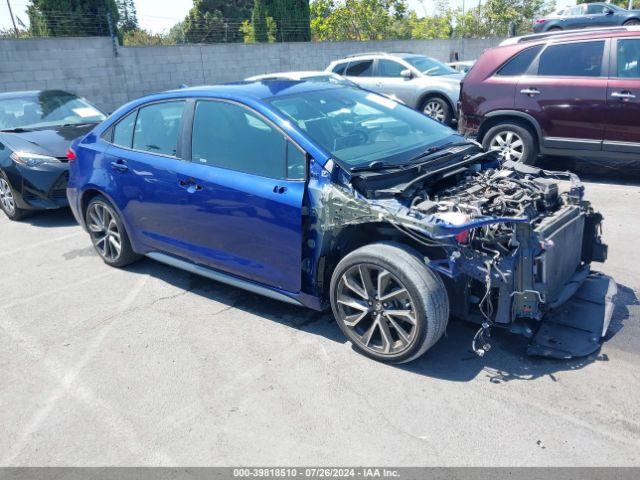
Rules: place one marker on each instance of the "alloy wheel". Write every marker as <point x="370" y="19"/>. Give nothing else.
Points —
<point x="104" y="231"/>
<point x="6" y="197"/>
<point x="435" y="110"/>
<point x="509" y="144"/>
<point x="377" y="309"/>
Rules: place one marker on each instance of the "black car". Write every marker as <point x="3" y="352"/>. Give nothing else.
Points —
<point x="587" y="15"/>
<point x="36" y="129"/>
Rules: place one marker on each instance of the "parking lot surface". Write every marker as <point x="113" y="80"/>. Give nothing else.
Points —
<point x="154" y="366"/>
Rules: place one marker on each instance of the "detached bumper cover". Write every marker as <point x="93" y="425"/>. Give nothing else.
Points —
<point x="576" y="328"/>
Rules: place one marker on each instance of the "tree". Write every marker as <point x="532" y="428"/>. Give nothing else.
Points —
<point x="216" y="20"/>
<point x="128" y="16"/>
<point x="493" y="17"/>
<point x="356" y="19"/>
<point x="259" y="21"/>
<point x="71" y="17"/>
<point x="292" y="17"/>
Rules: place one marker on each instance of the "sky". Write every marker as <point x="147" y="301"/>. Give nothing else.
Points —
<point x="160" y="15"/>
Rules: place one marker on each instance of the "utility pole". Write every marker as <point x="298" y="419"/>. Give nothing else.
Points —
<point x="13" y="20"/>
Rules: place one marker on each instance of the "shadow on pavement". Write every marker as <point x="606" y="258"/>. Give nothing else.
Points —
<point x="51" y="218"/>
<point x="623" y="172"/>
<point x="450" y="359"/>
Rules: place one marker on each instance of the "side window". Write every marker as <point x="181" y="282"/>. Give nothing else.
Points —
<point x="339" y="68"/>
<point x="572" y="60"/>
<point x="628" y="58"/>
<point x="360" y="68"/>
<point x="389" y="68"/>
<point x="519" y="64"/>
<point x="595" y="9"/>
<point x="230" y="136"/>
<point x="296" y="162"/>
<point x="158" y="127"/>
<point x="123" y="130"/>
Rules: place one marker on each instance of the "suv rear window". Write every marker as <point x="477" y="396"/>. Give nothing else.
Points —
<point x="583" y="59"/>
<point x="360" y="68"/>
<point x="519" y="64"/>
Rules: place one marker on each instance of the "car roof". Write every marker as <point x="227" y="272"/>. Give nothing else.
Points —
<point x="255" y="90"/>
<point x="356" y="56"/>
<point x="570" y="35"/>
<point x="296" y="75"/>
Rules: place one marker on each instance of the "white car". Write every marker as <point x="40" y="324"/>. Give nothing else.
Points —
<point x="306" y="76"/>
<point x="418" y="81"/>
<point x="462" y="67"/>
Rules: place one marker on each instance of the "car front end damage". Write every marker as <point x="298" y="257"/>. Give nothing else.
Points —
<point x="513" y="243"/>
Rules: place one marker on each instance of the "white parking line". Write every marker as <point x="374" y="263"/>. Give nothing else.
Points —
<point x="69" y="384"/>
<point x="31" y="246"/>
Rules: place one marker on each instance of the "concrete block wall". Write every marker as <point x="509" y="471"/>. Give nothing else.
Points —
<point x="88" y="66"/>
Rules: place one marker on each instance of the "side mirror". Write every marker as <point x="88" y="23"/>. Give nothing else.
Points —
<point x="608" y="11"/>
<point x="406" y="74"/>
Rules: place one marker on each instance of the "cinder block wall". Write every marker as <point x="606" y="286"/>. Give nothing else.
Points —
<point x="88" y="66"/>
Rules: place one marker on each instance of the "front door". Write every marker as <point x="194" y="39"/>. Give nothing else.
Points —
<point x="622" y="132"/>
<point x="246" y="184"/>
<point x="389" y="81"/>
<point x="565" y="91"/>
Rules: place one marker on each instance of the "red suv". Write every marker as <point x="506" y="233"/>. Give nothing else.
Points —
<point x="562" y="93"/>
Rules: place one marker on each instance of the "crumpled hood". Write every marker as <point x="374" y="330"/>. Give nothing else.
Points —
<point x="53" y="142"/>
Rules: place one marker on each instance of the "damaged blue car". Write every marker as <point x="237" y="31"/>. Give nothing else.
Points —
<point x="327" y="196"/>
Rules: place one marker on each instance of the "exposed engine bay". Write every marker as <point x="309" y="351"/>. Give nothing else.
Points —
<point x="513" y="242"/>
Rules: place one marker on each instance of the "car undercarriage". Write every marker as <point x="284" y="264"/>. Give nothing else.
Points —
<point x="512" y="243"/>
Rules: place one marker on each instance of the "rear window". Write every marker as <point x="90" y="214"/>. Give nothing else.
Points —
<point x="583" y="59"/>
<point x="360" y="68"/>
<point x="519" y="64"/>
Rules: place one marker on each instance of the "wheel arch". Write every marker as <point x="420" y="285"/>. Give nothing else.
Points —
<point x="422" y="99"/>
<point x="502" y="116"/>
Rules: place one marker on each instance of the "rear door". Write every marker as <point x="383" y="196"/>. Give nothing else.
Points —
<point x="389" y="81"/>
<point x="622" y="133"/>
<point x="361" y="72"/>
<point x="565" y="91"/>
<point x="246" y="184"/>
<point x="145" y="164"/>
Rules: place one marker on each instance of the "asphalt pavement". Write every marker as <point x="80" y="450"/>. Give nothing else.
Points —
<point x="154" y="366"/>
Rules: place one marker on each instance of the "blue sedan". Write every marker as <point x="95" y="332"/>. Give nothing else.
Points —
<point x="323" y="195"/>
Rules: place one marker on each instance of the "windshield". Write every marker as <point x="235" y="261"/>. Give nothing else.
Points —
<point x="359" y="127"/>
<point x="429" y="66"/>
<point x="46" y="109"/>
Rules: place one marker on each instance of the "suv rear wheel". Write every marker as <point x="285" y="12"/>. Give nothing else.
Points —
<point x="513" y="141"/>
<point x="438" y="109"/>
<point x="388" y="303"/>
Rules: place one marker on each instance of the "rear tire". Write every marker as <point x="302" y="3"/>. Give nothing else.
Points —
<point x="388" y="303"/>
<point x="8" y="201"/>
<point x="513" y="141"/>
<point x="108" y="235"/>
<point x="438" y="109"/>
<point x="633" y="21"/>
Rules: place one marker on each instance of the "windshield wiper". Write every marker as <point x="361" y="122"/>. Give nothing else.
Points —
<point x="84" y="124"/>
<point x="377" y="165"/>
<point x="431" y="151"/>
<point x="17" y="130"/>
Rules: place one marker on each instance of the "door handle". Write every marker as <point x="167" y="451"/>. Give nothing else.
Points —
<point x="189" y="185"/>
<point x="623" y="95"/>
<point x="279" y="189"/>
<point x="530" y="91"/>
<point x="119" y="166"/>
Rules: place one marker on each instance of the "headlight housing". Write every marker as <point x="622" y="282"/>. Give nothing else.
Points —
<point x="29" y="159"/>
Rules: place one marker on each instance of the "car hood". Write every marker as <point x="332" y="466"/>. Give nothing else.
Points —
<point x="53" y="141"/>
<point x="450" y="79"/>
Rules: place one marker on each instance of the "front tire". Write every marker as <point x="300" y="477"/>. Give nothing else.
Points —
<point x="388" y="303"/>
<point x="633" y="21"/>
<point x="108" y="235"/>
<point x="8" y="201"/>
<point x="438" y="109"/>
<point x="513" y="141"/>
